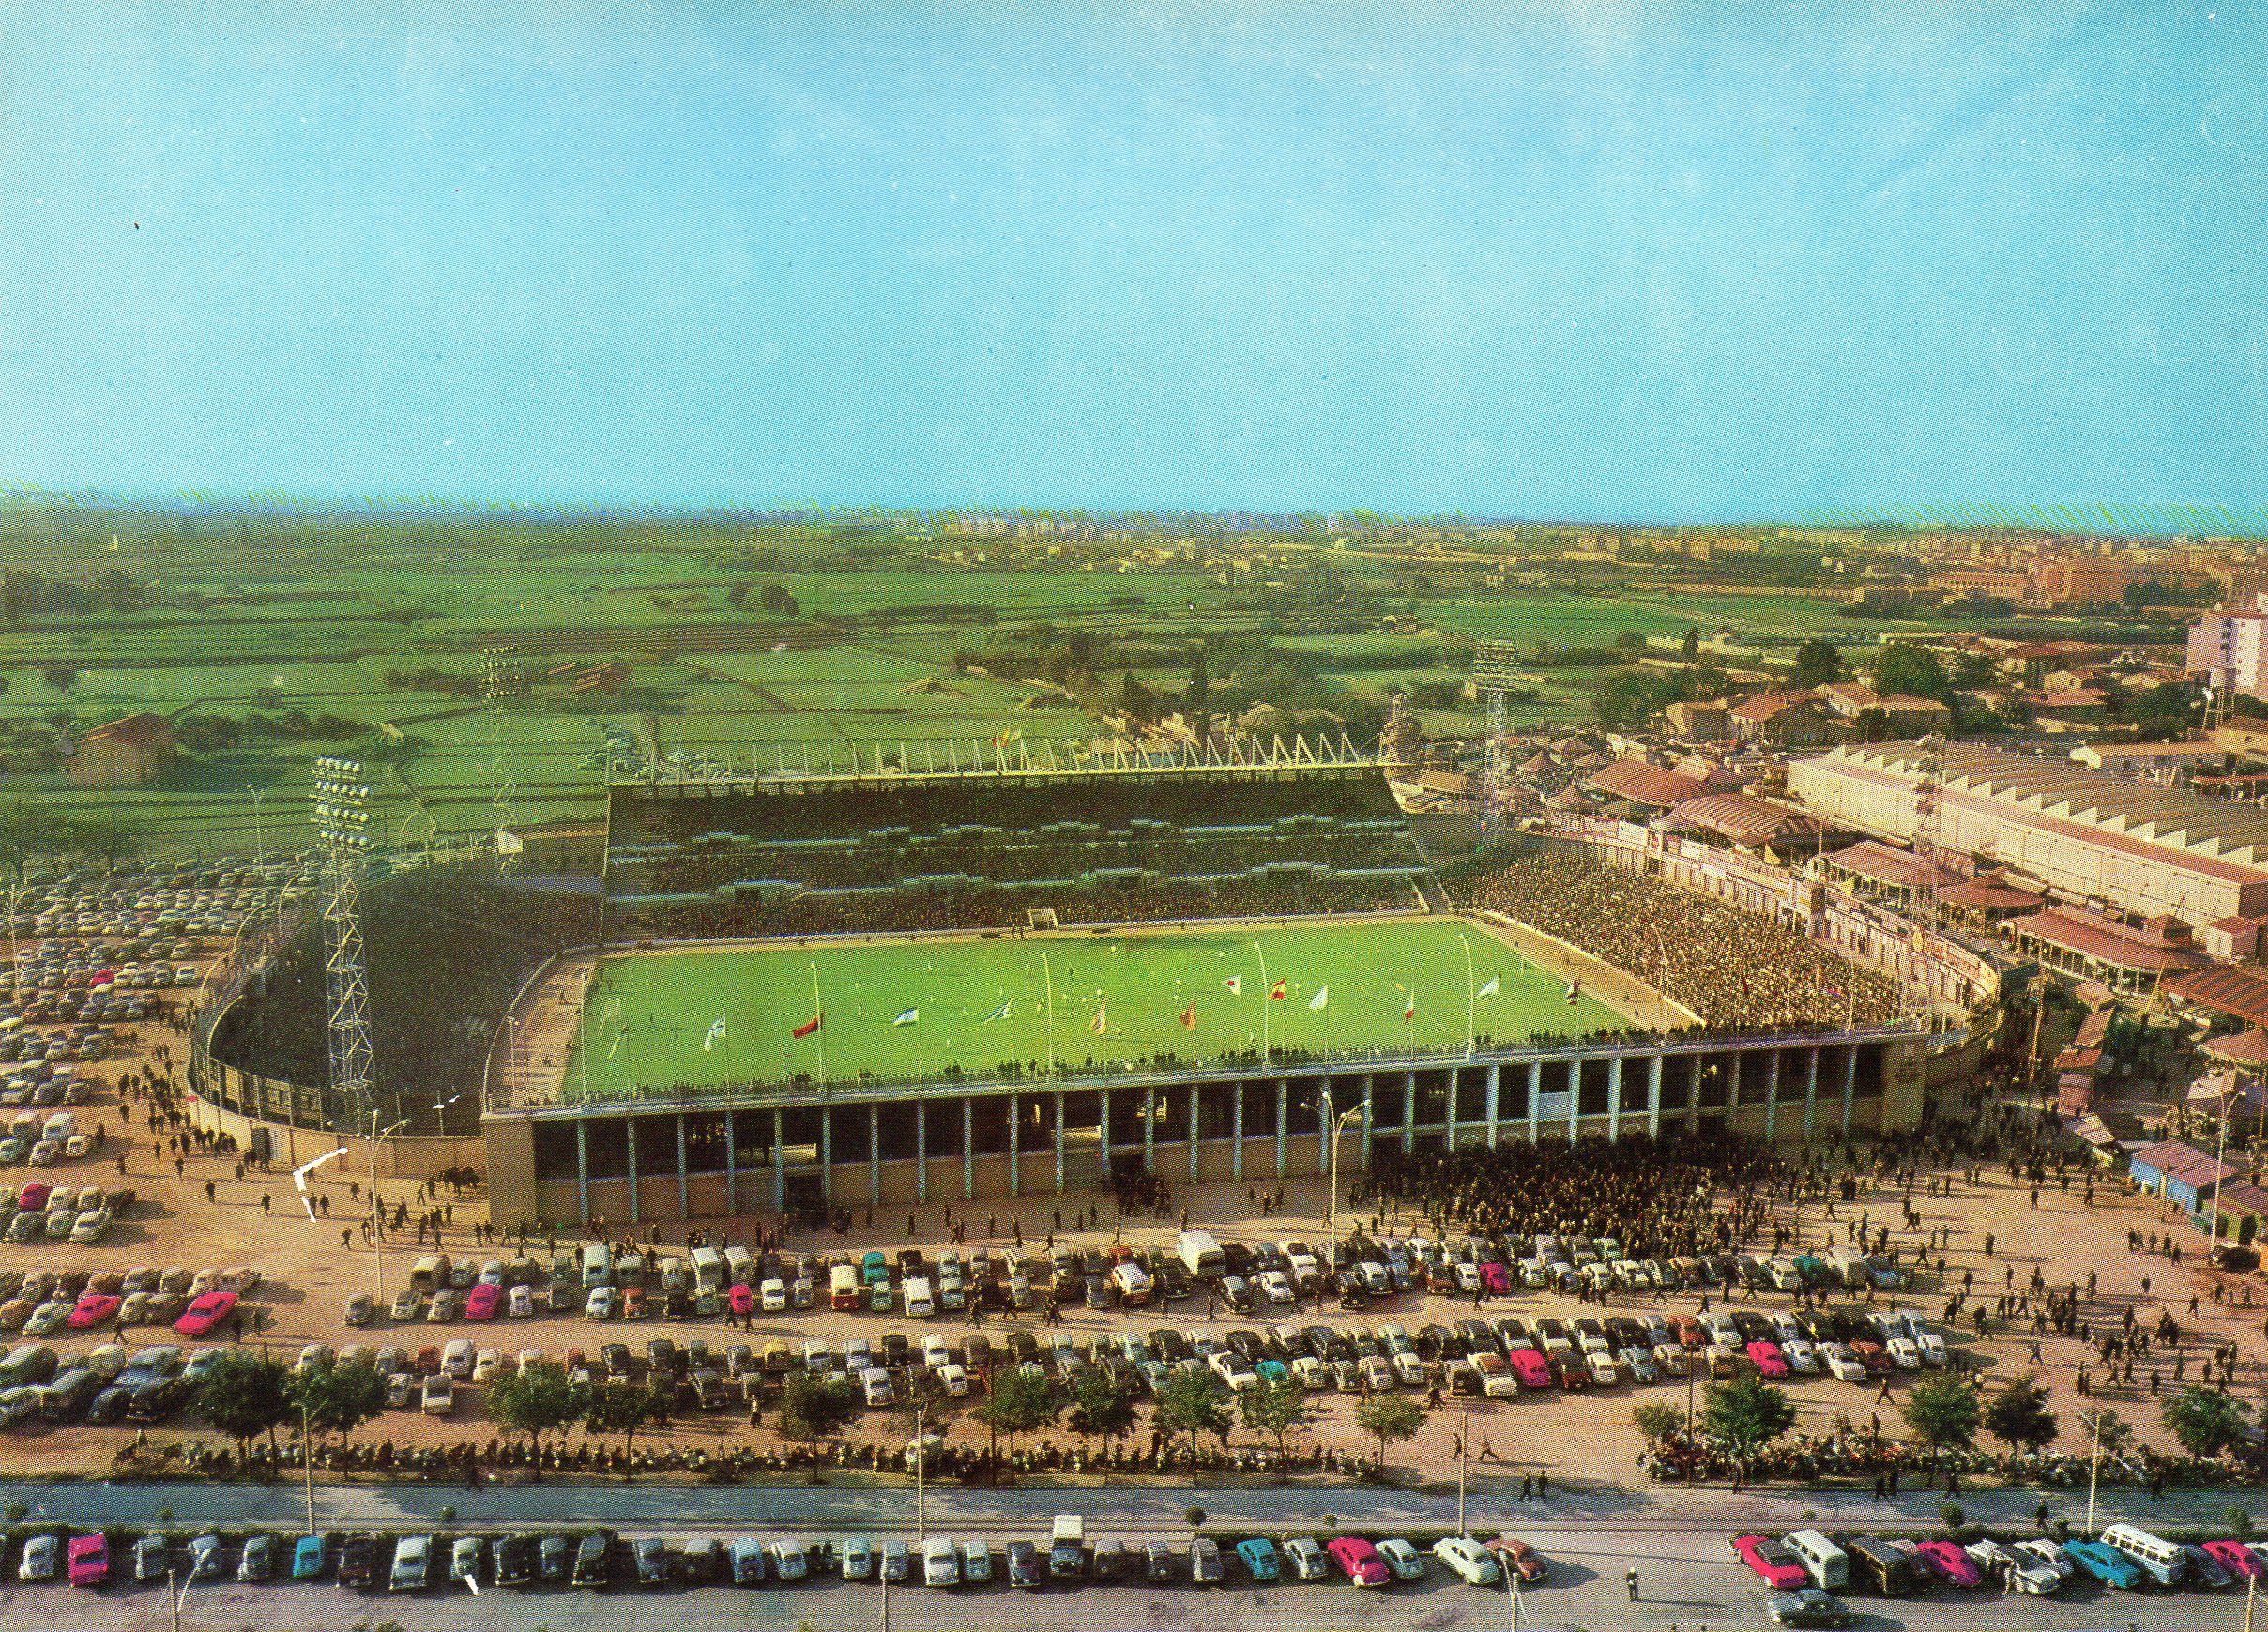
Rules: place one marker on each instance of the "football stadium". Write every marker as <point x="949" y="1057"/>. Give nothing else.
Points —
<point x="973" y="969"/>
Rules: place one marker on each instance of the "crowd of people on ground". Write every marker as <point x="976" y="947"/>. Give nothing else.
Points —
<point x="1736" y="970"/>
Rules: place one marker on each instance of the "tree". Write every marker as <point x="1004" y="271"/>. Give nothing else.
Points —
<point x="1904" y="670"/>
<point x="1019" y="1402"/>
<point x="339" y="1398"/>
<point x="60" y="677"/>
<point x="244" y="1395"/>
<point x="776" y="597"/>
<point x="617" y="1408"/>
<point x="1746" y="1413"/>
<point x="1817" y="662"/>
<point x="1277" y="1409"/>
<point x="2206" y="1421"/>
<point x="1199" y="698"/>
<point x="1691" y="646"/>
<point x="2018" y="1416"/>
<point x="1657" y="1420"/>
<point x="537" y="1400"/>
<point x="1192" y="1403"/>
<point x="1102" y="1408"/>
<point x="1943" y="1412"/>
<point x="1390" y="1418"/>
<point x="815" y="1406"/>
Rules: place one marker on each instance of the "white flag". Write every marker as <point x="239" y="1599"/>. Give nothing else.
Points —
<point x="716" y="1034"/>
<point x="1322" y="996"/>
<point x="1488" y="988"/>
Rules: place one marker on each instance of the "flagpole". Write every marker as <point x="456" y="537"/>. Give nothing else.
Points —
<point x="1048" y="979"/>
<point x="1264" y="998"/>
<point x="1472" y="1035"/>
<point x="818" y="1017"/>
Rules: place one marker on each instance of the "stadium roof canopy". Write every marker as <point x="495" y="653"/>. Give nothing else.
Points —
<point x="1888" y="864"/>
<point x="1745" y="820"/>
<point x="1636" y="782"/>
<point x="2226" y="989"/>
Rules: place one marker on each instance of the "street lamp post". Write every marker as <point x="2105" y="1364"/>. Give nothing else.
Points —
<point x="1337" y="1124"/>
<point x="2094" y="1463"/>
<point x="1463" y="1451"/>
<point x="1512" y="1592"/>
<point x="377" y="1209"/>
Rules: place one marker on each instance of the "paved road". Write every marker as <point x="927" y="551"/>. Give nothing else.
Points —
<point x="1688" y="1580"/>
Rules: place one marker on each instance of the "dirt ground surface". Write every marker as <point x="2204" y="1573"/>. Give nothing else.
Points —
<point x="1587" y="1437"/>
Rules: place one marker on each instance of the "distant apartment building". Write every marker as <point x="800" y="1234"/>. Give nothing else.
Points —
<point x="2228" y="648"/>
<point x="1978" y="582"/>
<point x="2080" y="581"/>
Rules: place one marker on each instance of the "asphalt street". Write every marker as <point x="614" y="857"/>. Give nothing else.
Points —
<point x="1688" y="1579"/>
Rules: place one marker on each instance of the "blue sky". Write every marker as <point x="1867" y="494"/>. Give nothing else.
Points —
<point x="1617" y="261"/>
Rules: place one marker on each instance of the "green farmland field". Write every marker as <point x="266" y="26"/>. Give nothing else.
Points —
<point x="651" y="1019"/>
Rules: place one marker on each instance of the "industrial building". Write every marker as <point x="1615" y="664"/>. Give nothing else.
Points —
<point x="2088" y="836"/>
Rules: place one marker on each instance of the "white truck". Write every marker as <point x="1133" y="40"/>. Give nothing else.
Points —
<point x="1067" y="1546"/>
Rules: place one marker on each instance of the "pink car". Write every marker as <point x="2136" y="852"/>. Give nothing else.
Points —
<point x="33" y="1198"/>
<point x="87" y="1559"/>
<point x="93" y="1309"/>
<point x="1768" y="1360"/>
<point x="739" y="1299"/>
<point x="2237" y="1558"/>
<point x="1495" y="1277"/>
<point x="481" y="1302"/>
<point x="1772" y="1562"/>
<point x="1530" y="1369"/>
<point x="1947" y="1559"/>
<point x="205" y="1313"/>
<point x="1359" y="1560"/>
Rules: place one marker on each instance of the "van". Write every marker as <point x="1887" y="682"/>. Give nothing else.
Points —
<point x="428" y="1274"/>
<point x="2163" y="1561"/>
<point x="842" y="1289"/>
<point x="1879" y="1565"/>
<point x="598" y="1266"/>
<point x="61" y="1126"/>
<point x="1849" y="1267"/>
<point x="920" y="1303"/>
<point x="1200" y="1255"/>
<point x="709" y="1270"/>
<point x="740" y="1266"/>
<point x="1828" y="1566"/>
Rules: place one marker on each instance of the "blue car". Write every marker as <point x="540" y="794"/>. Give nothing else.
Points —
<point x="1260" y="1556"/>
<point x="2106" y="1565"/>
<point x="308" y="1559"/>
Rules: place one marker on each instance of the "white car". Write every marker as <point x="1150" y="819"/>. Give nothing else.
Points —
<point x="457" y="1359"/>
<point x="1307" y="1559"/>
<point x="2022" y="1572"/>
<point x="953" y="1379"/>
<point x="772" y="1295"/>
<point x="1932" y="1347"/>
<point x="1636" y="1361"/>
<point x="935" y="1352"/>
<point x="1800" y="1355"/>
<point x="1669" y="1359"/>
<point x="1230" y="1369"/>
<point x="486" y="1365"/>
<point x="520" y="1302"/>
<point x="1468" y="1560"/>
<point x="600" y="1305"/>
<point x="2048" y="1556"/>
<point x="1276" y="1286"/>
<point x="1904" y="1353"/>
<point x="1310" y="1372"/>
<point x="1842" y="1364"/>
<point x="1407" y="1564"/>
<point x="875" y="1382"/>
<point x="1408" y="1370"/>
<point x="1602" y="1369"/>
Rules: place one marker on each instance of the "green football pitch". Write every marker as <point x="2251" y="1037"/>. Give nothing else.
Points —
<point x="697" y="1017"/>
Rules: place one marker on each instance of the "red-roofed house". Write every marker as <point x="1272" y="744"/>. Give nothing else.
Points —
<point x="1780" y="718"/>
<point x="124" y="753"/>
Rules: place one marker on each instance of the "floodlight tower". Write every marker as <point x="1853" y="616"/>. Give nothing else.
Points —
<point x="501" y="679"/>
<point x="1928" y="802"/>
<point x="1494" y="666"/>
<point x="341" y="817"/>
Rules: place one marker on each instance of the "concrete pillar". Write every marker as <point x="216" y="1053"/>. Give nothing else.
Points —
<point x="1811" y="1092"/>
<point x="1149" y="1130"/>
<point x="732" y="1168"/>
<point x="873" y="1155"/>
<point x="1851" y="1084"/>
<point x="921" y="1150"/>
<point x="1449" y="1112"/>
<point x="1196" y="1095"/>
<point x="1235" y="1132"/>
<point x="1772" y="1096"/>
<point x="583" y="1171"/>
<point x="630" y="1146"/>
<point x="1282" y="1125"/>
<point x="1409" y="1111"/>
<point x="1535" y="1100"/>
<point x="1016" y="1151"/>
<point x="968" y="1147"/>
<point x="1614" y="1099"/>
<point x="1370" y="1115"/>
<point x="827" y="1155"/>
<point x="1496" y="1072"/>
<point x="1103" y="1131"/>
<point x="1058" y="1142"/>
<point x="685" y="1205"/>
<point x="779" y="1161"/>
<point x="1653" y="1097"/>
<point x="1574" y="1099"/>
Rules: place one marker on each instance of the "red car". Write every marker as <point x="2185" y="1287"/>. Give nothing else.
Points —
<point x="93" y="1309"/>
<point x="87" y="1559"/>
<point x="1772" y="1561"/>
<point x="2237" y="1558"/>
<point x="1359" y="1560"/>
<point x="1532" y="1369"/>
<point x="481" y="1302"/>
<point x="739" y="1299"/>
<point x="1947" y="1561"/>
<point x="1872" y="1355"/>
<point x="1768" y="1360"/>
<point x="1495" y="1277"/>
<point x="205" y="1313"/>
<point x="33" y="1198"/>
<point x="1573" y="1376"/>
